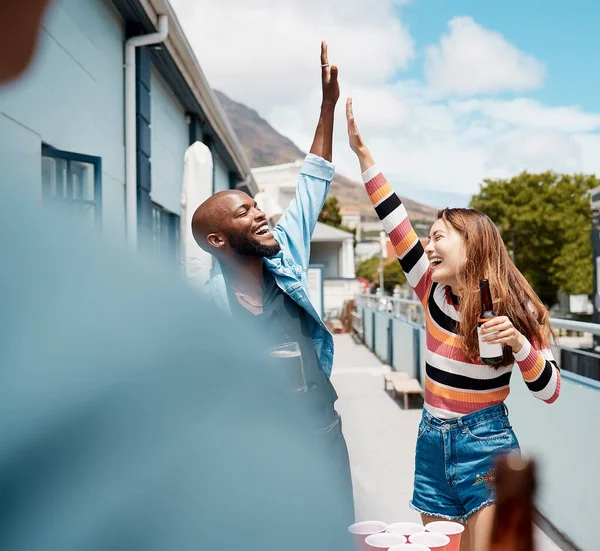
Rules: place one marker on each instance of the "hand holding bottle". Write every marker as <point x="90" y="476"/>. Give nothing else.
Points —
<point x="504" y="332"/>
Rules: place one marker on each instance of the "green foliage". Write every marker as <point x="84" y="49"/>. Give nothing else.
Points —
<point x="330" y="213"/>
<point x="393" y="275"/>
<point x="545" y="220"/>
<point x="392" y="272"/>
<point x="368" y="269"/>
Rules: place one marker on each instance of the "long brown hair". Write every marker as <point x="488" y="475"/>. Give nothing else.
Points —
<point x="488" y="258"/>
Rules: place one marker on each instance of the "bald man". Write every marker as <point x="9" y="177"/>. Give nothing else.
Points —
<point x="261" y="274"/>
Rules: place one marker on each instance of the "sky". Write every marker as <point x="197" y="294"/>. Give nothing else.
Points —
<point x="445" y="92"/>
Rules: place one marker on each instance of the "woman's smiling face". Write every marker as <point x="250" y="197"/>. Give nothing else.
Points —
<point x="446" y="253"/>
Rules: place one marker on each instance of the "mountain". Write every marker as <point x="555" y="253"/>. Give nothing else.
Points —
<point x="265" y="146"/>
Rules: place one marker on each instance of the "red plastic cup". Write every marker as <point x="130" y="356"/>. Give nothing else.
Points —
<point x="453" y="530"/>
<point x="382" y="542"/>
<point x="435" y="542"/>
<point x="361" y="530"/>
<point x="405" y="528"/>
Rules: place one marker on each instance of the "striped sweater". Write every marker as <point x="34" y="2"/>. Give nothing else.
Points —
<point x="454" y="386"/>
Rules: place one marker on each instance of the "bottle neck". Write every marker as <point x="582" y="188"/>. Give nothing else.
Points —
<point x="486" y="299"/>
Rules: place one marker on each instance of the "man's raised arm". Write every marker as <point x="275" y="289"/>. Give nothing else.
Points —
<point x="323" y="141"/>
<point x="296" y="226"/>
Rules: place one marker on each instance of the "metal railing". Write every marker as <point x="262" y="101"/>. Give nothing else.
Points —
<point x="574" y="325"/>
<point x="411" y="310"/>
<point x="402" y="307"/>
<point x="584" y="363"/>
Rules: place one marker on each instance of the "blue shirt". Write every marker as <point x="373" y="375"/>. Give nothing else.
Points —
<point x="290" y="266"/>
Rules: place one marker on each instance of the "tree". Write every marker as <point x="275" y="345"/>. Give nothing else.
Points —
<point x="368" y="269"/>
<point x="393" y="275"/>
<point x="392" y="272"/>
<point x="330" y="213"/>
<point x="545" y="221"/>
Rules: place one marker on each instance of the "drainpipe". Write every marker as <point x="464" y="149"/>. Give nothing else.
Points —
<point x="130" y="124"/>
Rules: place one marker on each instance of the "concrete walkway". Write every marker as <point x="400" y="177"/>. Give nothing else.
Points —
<point x="381" y="438"/>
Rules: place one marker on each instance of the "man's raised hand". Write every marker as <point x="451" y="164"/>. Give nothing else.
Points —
<point x="329" y="79"/>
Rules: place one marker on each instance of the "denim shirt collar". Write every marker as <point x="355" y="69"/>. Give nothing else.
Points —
<point x="287" y="277"/>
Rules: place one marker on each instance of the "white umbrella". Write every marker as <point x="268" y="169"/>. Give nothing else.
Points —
<point x="197" y="187"/>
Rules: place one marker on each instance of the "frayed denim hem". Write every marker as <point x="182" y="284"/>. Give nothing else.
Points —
<point x="485" y="504"/>
<point x="437" y="515"/>
<point x="460" y="518"/>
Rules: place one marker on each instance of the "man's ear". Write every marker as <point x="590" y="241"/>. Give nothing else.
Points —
<point x="216" y="240"/>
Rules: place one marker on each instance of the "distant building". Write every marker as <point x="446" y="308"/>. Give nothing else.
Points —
<point x="278" y="182"/>
<point x="63" y="126"/>
<point x="332" y="250"/>
<point x="351" y="217"/>
<point x="366" y="249"/>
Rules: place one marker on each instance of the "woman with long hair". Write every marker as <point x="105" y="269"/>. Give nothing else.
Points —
<point x="464" y="423"/>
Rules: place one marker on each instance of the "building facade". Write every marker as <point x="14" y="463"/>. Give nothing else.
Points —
<point x="63" y="125"/>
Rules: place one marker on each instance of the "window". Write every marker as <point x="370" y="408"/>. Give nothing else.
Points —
<point x="165" y="233"/>
<point x="73" y="183"/>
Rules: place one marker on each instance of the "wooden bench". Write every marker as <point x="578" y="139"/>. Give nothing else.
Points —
<point x="336" y="326"/>
<point x="406" y="387"/>
<point x="392" y="376"/>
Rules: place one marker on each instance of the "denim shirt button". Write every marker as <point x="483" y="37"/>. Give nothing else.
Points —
<point x="315" y="387"/>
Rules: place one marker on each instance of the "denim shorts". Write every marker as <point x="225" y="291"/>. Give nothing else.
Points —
<point x="454" y="463"/>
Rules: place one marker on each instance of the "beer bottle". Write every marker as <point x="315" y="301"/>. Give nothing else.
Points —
<point x="490" y="354"/>
<point x="512" y="529"/>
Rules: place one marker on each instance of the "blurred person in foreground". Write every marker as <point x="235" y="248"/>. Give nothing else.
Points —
<point x="262" y="274"/>
<point x="117" y="430"/>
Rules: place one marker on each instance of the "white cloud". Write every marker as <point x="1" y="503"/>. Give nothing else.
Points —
<point x="529" y="113"/>
<point x="267" y="57"/>
<point x="266" y="52"/>
<point x="442" y="145"/>
<point x="538" y="151"/>
<point x="472" y="59"/>
<point x="589" y="145"/>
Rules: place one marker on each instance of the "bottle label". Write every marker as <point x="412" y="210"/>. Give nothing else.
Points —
<point x="487" y="350"/>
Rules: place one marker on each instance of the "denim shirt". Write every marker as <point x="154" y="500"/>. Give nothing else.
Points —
<point x="290" y="266"/>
